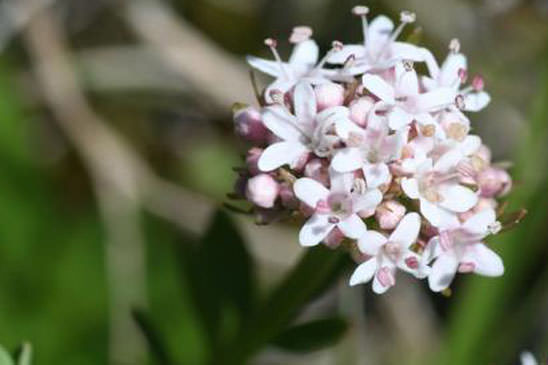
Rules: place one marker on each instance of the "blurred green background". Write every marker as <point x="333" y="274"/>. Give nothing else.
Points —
<point x="81" y="247"/>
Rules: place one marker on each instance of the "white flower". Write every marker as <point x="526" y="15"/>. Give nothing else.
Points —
<point x="302" y="66"/>
<point x="379" y="50"/>
<point x="437" y="187"/>
<point x="453" y="74"/>
<point x="337" y="207"/>
<point x="306" y="131"/>
<point x="404" y="101"/>
<point x="370" y="150"/>
<point x="388" y="254"/>
<point x="460" y="248"/>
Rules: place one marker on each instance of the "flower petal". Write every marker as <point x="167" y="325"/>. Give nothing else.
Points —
<point x="380" y="88"/>
<point x="407" y="81"/>
<point x="364" y="272"/>
<point x="486" y="262"/>
<point x="367" y="201"/>
<point x="379" y="288"/>
<point x="279" y="154"/>
<point x="437" y="216"/>
<point x="304" y="102"/>
<point x="457" y="198"/>
<point x="474" y="102"/>
<point x="378" y="33"/>
<point x="305" y="53"/>
<point x="315" y="230"/>
<point x="449" y="75"/>
<point x="399" y="118"/>
<point x="347" y="159"/>
<point x="376" y="174"/>
<point x="352" y="227"/>
<point x="278" y="120"/>
<point x="344" y="126"/>
<point x="443" y="272"/>
<point x="340" y="57"/>
<point x="370" y="242"/>
<point x="435" y="100"/>
<point x="410" y="187"/>
<point x="310" y="191"/>
<point x="269" y="67"/>
<point x="407" y="230"/>
<point x="448" y="161"/>
<point x="479" y="222"/>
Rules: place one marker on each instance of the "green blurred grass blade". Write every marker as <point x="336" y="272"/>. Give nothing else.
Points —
<point x="482" y="306"/>
<point x="312" y="336"/>
<point x="152" y="337"/>
<point x="5" y="357"/>
<point x="317" y="270"/>
<point x="24" y="356"/>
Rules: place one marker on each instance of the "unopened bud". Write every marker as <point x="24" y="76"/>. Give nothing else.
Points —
<point x="494" y="182"/>
<point x="328" y="95"/>
<point x="317" y="170"/>
<point x="249" y="125"/>
<point x="262" y="190"/>
<point x="389" y="214"/>
<point x="334" y="238"/>
<point x="359" y="110"/>
<point x="252" y="160"/>
<point x="287" y="196"/>
<point x="478" y="83"/>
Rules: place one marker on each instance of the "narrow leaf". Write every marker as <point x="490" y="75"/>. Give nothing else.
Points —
<point x="312" y="336"/>
<point x="155" y="343"/>
<point x="5" y="358"/>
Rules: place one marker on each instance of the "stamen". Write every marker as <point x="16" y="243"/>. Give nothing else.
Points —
<point x="336" y="46"/>
<point x="350" y="61"/>
<point x="408" y="65"/>
<point x="333" y="220"/>
<point x="454" y="45"/>
<point x="406" y="17"/>
<point x="457" y="131"/>
<point x="273" y="44"/>
<point x="459" y="102"/>
<point x="428" y="130"/>
<point x="300" y="34"/>
<point x="277" y="96"/>
<point x="362" y="12"/>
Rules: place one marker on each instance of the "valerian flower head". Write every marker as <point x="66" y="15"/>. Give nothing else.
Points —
<point x="361" y="135"/>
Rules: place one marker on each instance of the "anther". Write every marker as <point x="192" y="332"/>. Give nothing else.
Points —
<point x="454" y="45"/>
<point x="271" y="42"/>
<point x="277" y="96"/>
<point x="407" y="17"/>
<point x="360" y="10"/>
<point x="459" y="102"/>
<point x="300" y="34"/>
<point x="337" y="46"/>
<point x="408" y="65"/>
<point x="333" y="220"/>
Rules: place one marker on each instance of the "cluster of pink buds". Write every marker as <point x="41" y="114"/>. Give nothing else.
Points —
<point x="375" y="156"/>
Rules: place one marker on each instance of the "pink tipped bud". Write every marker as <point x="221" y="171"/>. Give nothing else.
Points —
<point x="316" y="169"/>
<point x="360" y="10"/>
<point x="478" y="83"/>
<point x="334" y="238"/>
<point x="359" y="110"/>
<point x="389" y="214"/>
<point x="262" y="190"/>
<point x="412" y="262"/>
<point x="249" y="125"/>
<point x="271" y="42"/>
<point x="494" y="182"/>
<point x="300" y="34"/>
<point x="329" y="95"/>
<point x="252" y="160"/>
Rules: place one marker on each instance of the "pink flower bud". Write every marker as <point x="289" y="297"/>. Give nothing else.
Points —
<point x="240" y="186"/>
<point x="316" y="169"/>
<point x="329" y="95"/>
<point x="252" y="160"/>
<point x="359" y="110"/>
<point x="389" y="214"/>
<point x="334" y="238"/>
<point x="262" y="190"/>
<point x="249" y="125"/>
<point x="494" y="182"/>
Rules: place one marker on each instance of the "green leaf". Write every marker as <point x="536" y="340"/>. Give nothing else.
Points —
<point x="5" y="358"/>
<point x="154" y="341"/>
<point x="24" y="356"/>
<point x="220" y="274"/>
<point x="312" y="336"/>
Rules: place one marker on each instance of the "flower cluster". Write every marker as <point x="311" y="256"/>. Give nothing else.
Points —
<point x="375" y="155"/>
